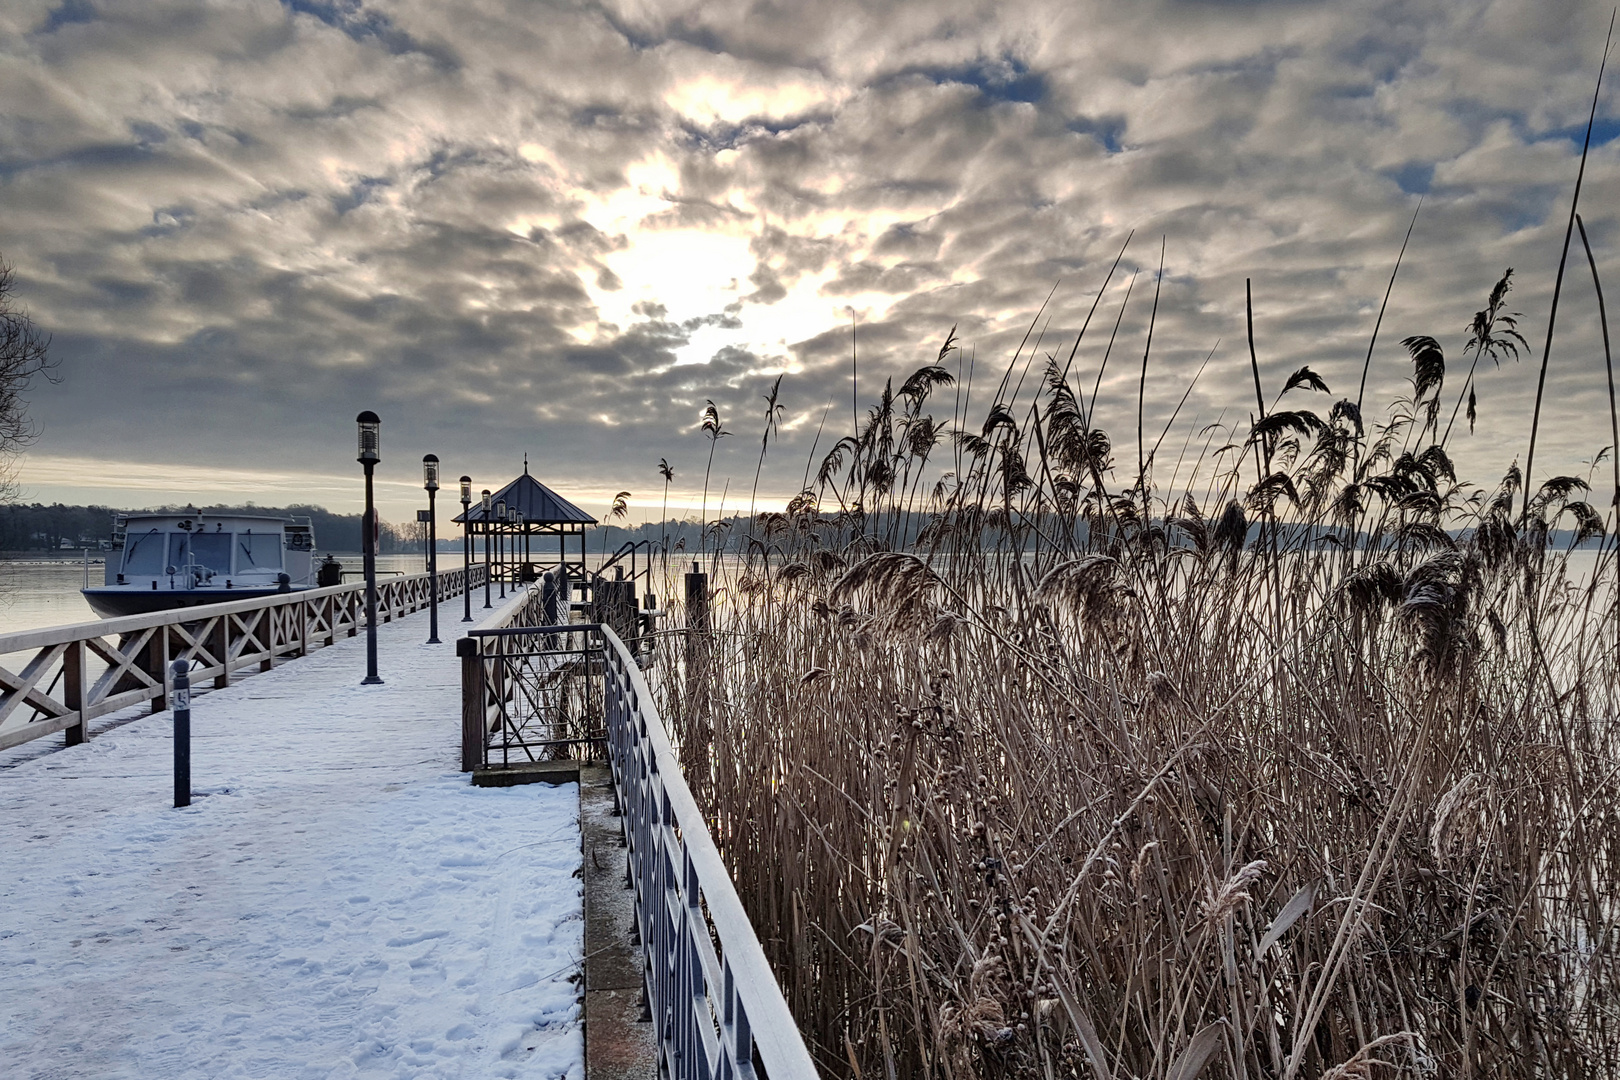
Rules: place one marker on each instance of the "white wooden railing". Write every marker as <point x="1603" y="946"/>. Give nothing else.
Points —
<point x="74" y="674"/>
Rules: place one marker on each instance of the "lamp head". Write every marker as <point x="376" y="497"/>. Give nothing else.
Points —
<point x="370" y="437"/>
<point x="466" y="490"/>
<point x="430" y="472"/>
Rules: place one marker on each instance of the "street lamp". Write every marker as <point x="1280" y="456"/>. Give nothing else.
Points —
<point x="370" y="454"/>
<point x="487" y="573"/>
<point x="500" y="544"/>
<point x="430" y="483"/>
<point x="466" y="548"/>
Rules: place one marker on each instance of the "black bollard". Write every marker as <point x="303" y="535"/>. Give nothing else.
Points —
<point x="180" y="702"/>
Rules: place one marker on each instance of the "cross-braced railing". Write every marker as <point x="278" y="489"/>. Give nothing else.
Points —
<point x="70" y="675"/>
<point x="711" y="993"/>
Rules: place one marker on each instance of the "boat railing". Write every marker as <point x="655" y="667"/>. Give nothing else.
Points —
<point x="60" y="678"/>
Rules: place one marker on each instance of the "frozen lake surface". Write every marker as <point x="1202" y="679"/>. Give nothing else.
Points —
<point x="338" y="901"/>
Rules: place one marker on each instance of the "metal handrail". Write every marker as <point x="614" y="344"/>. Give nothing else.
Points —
<point x="629" y="547"/>
<point x="485" y="689"/>
<point x="527" y="631"/>
<point x="714" y="1011"/>
<point x="542" y="698"/>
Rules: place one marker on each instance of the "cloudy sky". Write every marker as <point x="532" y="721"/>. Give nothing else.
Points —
<point x="559" y="227"/>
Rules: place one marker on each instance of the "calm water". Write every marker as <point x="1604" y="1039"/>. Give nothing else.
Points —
<point x="35" y="593"/>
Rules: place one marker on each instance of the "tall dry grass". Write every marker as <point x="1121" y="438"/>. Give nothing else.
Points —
<point x="1291" y="755"/>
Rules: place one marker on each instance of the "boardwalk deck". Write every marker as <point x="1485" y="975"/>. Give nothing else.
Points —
<point x="337" y="902"/>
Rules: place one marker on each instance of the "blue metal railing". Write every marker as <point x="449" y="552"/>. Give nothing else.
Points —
<point x="716" y="1009"/>
<point x="713" y="1000"/>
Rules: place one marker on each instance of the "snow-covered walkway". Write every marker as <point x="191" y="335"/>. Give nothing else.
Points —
<point x="338" y="901"/>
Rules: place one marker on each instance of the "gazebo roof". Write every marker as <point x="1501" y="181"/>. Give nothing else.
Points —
<point x="538" y="504"/>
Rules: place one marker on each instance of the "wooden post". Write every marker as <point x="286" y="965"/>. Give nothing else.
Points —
<point x="269" y="618"/>
<point x="75" y="689"/>
<point x="629" y="623"/>
<point x="472" y="703"/>
<point x="697" y="604"/>
<point x="221" y="649"/>
<point x="697" y="640"/>
<point x="614" y="603"/>
<point x="156" y="664"/>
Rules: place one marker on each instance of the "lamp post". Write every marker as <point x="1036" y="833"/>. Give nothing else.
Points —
<point x="466" y="549"/>
<point x="430" y="483"/>
<point x="370" y="453"/>
<point x="500" y="544"/>
<point x="487" y="572"/>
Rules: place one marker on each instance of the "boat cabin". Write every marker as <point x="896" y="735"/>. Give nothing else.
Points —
<point x="178" y="559"/>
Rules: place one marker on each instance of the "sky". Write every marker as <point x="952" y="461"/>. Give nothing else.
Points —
<point x="560" y="228"/>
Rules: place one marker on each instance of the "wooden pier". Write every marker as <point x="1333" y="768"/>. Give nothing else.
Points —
<point x="338" y="780"/>
<point x="338" y="899"/>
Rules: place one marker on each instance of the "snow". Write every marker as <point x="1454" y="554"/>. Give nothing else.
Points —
<point x="338" y="901"/>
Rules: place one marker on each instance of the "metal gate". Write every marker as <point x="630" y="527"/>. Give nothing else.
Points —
<point x="531" y="694"/>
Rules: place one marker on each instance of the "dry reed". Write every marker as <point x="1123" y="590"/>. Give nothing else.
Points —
<point x="1303" y="767"/>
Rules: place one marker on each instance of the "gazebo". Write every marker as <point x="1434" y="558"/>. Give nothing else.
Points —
<point x="527" y="508"/>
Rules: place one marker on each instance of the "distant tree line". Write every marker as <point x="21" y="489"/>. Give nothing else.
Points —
<point x="38" y="527"/>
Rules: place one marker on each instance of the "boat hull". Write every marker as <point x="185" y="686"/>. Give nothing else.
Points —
<point x="112" y="602"/>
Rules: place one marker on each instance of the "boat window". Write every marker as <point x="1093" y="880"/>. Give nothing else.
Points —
<point x="212" y="550"/>
<point x="143" y="553"/>
<point x="258" y="551"/>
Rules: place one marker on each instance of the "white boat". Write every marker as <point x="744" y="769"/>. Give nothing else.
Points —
<point x="170" y="560"/>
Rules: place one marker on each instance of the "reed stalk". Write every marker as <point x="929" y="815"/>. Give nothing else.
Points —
<point x="1019" y="775"/>
<point x="1026" y="769"/>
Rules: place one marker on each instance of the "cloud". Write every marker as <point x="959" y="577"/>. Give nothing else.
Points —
<point x="562" y="228"/>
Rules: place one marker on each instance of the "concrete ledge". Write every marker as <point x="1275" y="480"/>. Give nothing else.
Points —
<point x="530" y="772"/>
<point x="619" y="1043"/>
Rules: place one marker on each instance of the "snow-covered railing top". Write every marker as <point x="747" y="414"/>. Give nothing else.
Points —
<point x="75" y="673"/>
<point x="714" y="1009"/>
